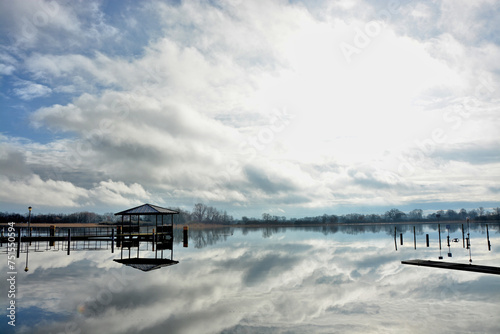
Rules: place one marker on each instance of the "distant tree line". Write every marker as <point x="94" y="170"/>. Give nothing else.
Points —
<point x="201" y="213"/>
<point x="393" y="215"/>
<point x="83" y="217"/>
<point x="204" y="214"/>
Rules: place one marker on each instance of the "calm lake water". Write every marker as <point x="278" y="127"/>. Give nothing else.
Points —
<point x="343" y="279"/>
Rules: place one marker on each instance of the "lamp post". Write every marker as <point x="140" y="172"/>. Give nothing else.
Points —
<point x="29" y="221"/>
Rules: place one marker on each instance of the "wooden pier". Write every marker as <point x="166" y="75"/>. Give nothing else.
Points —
<point x="454" y="266"/>
<point x="106" y="235"/>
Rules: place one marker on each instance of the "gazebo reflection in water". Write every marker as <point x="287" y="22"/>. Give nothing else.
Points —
<point x="162" y="237"/>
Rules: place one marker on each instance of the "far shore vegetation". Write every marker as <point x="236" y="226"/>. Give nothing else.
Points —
<point x="203" y="215"/>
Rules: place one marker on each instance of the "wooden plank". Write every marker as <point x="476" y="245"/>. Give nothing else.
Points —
<point x="454" y="266"/>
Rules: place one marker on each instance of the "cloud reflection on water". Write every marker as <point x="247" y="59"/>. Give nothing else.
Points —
<point x="299" y="282"/>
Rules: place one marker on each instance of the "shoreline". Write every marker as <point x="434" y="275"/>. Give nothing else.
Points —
<point x="57" y="225"/>
<point x="198" y="226"/>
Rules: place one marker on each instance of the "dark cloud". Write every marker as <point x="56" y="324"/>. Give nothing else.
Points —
<point x="13" y="164"/>
<point x="270" y="184"/>
<point x="473" y="153"/>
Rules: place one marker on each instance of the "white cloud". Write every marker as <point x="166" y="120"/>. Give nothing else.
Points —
<point x="29" y="90"/>
<point x="48" y="193"/>
<point x="253" y="104"/>
<point x="51" y="25"/>
<point x="6" y="69"/>
<point x="59" y="194"/>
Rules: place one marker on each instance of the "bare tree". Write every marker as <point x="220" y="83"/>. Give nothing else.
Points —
<point x="199" y="212"/>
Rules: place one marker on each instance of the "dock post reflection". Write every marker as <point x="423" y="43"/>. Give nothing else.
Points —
<point x="463" y="236"/>
<point x="414" y="238"/>
<point x="27" y="251"/>
<point x="439" y="232"/>
<point x="395" y="242"/>
<point x="18" y="241"/>
<point x="488" y="238"/>
<point x="69" y="241"/>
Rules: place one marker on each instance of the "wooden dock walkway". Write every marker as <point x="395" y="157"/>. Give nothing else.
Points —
<point x="91" y="237"/>
<point x="454" y="266"/>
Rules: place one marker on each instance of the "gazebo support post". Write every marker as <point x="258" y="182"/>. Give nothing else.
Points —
<point x="138" y="234"/>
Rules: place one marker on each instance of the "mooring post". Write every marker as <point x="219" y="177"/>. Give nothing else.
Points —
<point x="463" y="236"/>
<point x="18" y="241"/>
<point x="52" y="234"/>
<point x="185" y="235"/>
<point x="69" y="241"/>
<point x="427" y="240"/>
<point x="401" y="238"/>
<point x="112" y="240"/>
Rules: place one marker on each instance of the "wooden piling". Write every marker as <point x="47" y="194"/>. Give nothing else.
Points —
<point x="185" y="235"/>
<point x="18" y="242"/>
<point x="401" y="238"/>
<point x="112" y="240"/>
<point x="427" y="240"/>
<point x="52" y="233"/>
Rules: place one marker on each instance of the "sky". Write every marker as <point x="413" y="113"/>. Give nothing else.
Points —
<point x="293" y="108"/>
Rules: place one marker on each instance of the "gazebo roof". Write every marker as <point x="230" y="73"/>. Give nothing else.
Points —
<point x="146" y="264"/>
<point x="147" y="209"/>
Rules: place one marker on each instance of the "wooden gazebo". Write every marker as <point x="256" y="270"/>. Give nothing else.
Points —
<point x="162" y="236"/>
<point x="148" y="210"/>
